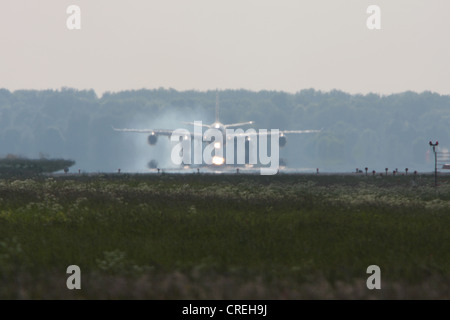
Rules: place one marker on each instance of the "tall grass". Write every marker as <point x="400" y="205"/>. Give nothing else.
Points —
<point x="206" y="236"/>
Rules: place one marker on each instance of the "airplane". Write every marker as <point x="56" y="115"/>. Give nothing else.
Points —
<point x="155" y="133"/>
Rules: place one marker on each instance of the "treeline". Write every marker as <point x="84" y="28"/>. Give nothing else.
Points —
<point x="358" y="130"/>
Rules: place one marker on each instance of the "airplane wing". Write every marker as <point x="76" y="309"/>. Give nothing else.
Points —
<point x="155" y="132"/>
<point x="196" y="124"/>
<point x="299" y="131"/>
<point x="237" y="124"/>
<point x="158" y="132"/>
<point x="281" y="132"/>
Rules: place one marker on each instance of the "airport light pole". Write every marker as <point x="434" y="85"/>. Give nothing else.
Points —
<point x="434" y="145"/>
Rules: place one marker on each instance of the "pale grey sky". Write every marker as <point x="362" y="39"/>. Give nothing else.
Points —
<point x="284" y="45"/>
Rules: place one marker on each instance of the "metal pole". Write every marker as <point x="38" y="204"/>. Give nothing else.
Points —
<point x="435" y="167"/>
<point x="434" y="145"/>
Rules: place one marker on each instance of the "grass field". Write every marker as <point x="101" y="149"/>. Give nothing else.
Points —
<point x="225" y="236"/>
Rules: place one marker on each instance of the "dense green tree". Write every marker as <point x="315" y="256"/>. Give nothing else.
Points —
<point x="358" y="130"/>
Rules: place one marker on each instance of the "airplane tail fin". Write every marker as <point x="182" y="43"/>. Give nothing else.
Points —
<point x="217" y="106"/>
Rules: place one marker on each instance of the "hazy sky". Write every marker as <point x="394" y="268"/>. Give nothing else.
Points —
<point x="284" y="45"/>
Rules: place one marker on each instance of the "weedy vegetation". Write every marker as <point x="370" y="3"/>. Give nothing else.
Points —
<point x="224" y="236"/>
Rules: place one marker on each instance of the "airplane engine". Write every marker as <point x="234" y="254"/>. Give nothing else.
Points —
<point x="282" y="140"/>
<point x="152" y="139"/>
<point x="152" y="164"/>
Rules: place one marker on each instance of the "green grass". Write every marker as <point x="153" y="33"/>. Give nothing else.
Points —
<point x="232" y="236"/>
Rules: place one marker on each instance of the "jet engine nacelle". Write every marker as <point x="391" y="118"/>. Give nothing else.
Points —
<point x="152" y="164"/>
<point x="282" y="140"/>
<point x="152" y="139"/>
